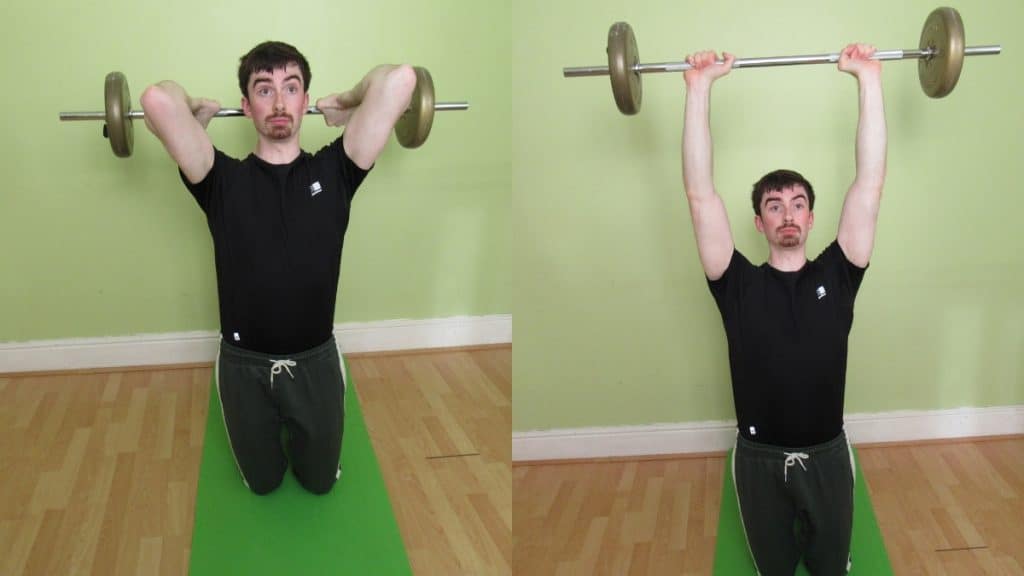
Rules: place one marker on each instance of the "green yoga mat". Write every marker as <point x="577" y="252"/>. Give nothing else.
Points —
<point x="350" y="530"/>
<point x="867" y="551"/>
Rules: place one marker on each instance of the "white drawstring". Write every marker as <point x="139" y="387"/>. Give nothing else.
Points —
<point x="794" y="458"/>
<point x="276" y="369"/>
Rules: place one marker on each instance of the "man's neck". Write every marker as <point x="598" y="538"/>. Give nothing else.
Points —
<point x="787" y="259"/>
<point x="278" y="152"/>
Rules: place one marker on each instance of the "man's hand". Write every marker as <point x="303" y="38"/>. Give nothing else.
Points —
<point x="706" y="69"/>
<point x="203" y="109"/>
<point x="855" y="60"/>
<point x="338" y="108"/>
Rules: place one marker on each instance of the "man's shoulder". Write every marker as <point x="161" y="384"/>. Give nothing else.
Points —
<point x="741" y="262"/>
<point x="831" y="256"/>
<point x="739" y="271"/>
<point x="222" y="160"/>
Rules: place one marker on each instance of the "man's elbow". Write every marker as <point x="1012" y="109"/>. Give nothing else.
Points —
<point x="401" y="81"/>
<point x="156" y="101"/>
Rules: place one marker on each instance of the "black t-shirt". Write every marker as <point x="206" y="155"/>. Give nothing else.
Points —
<point x="278" y="231"/>
<point x="787" y="334"/>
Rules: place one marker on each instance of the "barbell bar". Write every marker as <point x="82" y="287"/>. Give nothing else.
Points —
<point x="940" y="55"/>
<point x="412" y="127"/>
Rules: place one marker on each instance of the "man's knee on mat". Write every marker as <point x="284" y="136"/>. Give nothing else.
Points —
<point x="264" y="486"/>
<point x="320" y="484"/>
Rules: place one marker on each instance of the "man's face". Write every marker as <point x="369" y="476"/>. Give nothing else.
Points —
<point x="277" y="102"/>
<point x="786" y="217"/>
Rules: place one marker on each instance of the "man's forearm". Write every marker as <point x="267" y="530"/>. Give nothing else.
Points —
<point x="697" y="152"/>
<point x="871" y="135"/>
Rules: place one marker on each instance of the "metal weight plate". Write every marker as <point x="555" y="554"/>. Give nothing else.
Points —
<point x="413" y="126"/>
<point x="622" y="57"/>
<point x="119" y="125"/>
<point x="944" y="32"/>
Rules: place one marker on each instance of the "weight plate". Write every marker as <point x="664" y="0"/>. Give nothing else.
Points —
<point x="943" y="32"/>
<point x="118" y="104"/>
<point x="413" y="126"/>
<point x="622" y="57"/>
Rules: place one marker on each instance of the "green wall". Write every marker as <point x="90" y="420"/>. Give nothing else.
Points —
<point x="93" y="245"/>
<point x="614" y="320"/>
<point x="542" y="181"/>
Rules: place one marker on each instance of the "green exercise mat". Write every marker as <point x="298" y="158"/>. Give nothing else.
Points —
<point x="350" y="530"/>
<point x="867" y="551"/>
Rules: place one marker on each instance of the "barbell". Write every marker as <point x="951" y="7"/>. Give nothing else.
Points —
<point x="940" y="56"/>
<point x="412" y="127"/>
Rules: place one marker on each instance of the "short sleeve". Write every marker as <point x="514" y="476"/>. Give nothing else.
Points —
<point x="727" y="288"/>
<point x="204" y="190"/>
<point x="351" y="174"/>
<point x="837" y="266"/>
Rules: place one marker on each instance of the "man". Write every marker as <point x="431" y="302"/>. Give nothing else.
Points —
<point x="787" y="323"/>
<point x="278" y="221"/>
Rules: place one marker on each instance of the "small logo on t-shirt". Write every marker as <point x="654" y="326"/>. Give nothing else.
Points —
<point x="315" y="188"/>
<point x="821" y="292"/>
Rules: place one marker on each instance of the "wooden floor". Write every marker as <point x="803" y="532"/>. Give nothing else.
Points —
<point x="98" y="475"/>
<point x="441" y="425"/>
<point x="955" y="509"/>
<point x="98" y="471"/>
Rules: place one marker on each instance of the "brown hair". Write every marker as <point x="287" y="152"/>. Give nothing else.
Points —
<point x="270" y="56"/>
<point x="779" y="180"/>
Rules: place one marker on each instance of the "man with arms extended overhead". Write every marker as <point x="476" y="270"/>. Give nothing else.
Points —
<point x="787" y="323"/>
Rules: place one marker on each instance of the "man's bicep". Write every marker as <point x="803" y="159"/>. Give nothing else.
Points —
<point x="857" y="224"/>
<point x="714" y="237"/>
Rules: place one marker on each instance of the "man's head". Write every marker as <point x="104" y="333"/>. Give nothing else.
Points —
<point x="783" y="203"/>
<point x="267" y="57"/>
<point x="274" y="78"/>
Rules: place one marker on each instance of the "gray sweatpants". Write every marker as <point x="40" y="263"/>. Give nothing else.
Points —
<point x="796" y="502"/>
<point x="303" y="394"/>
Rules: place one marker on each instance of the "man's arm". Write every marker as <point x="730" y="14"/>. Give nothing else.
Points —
<point x="370" y="110"/>
<point x="710" y="220"/>
<point x="860" y="209"/>
<point x="180" y="123"/>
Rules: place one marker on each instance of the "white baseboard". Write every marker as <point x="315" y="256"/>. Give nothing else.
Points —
<point x="432" y="333"/>
<point x="192" y="347"/>
<point x="719" y="435"/>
